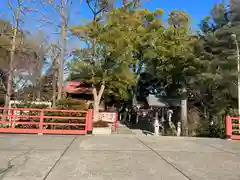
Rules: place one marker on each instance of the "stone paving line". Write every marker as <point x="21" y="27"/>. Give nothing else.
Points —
<point x="130" y="157"/>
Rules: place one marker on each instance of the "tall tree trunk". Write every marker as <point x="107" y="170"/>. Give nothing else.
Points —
<point x="63" y="48"/>
<point x="97" y="99"/>
<point x="12" y="56"/>
<point x="54" y="83"/>
<point x="39" y="89"/>
<point x="54" y="92"/>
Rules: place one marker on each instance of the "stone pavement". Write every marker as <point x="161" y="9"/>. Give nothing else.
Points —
<point x="117" y="157"/>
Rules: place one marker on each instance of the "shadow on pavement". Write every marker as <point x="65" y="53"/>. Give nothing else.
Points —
<point x="143" y="124"/>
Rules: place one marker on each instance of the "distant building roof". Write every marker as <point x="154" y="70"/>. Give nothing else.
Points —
<point x="155" y="101"/>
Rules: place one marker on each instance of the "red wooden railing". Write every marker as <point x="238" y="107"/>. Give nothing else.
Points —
<point x="232" y="128"/>
<point x="38" y="121"/>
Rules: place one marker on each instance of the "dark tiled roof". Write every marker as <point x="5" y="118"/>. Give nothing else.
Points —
<point x="155" y="101"/>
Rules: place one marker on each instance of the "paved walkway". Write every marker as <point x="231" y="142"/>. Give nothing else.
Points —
<point x="117" y="157"/>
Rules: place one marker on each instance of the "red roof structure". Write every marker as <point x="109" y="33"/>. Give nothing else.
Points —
<point x="75" y="87"/>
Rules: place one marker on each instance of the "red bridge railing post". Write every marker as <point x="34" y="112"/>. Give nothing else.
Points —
<point x="116" y="123"/>
<point x="228" y="125"/>
<point x="41" y="122"/>
<point x="89" y="117"/>
<point x="11" y="118"/>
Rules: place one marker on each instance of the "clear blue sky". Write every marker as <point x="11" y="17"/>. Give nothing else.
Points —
<point x="197" y="9"/>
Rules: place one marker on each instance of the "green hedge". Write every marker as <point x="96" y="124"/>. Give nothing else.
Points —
<point x="236" y="127"/>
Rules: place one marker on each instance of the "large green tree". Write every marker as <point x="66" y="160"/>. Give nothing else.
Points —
<point x="117" y="57"/>
<point x="214" y="90"/>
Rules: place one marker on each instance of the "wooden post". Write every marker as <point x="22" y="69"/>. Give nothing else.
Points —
<point x="116" y="123"/>
<point x="184" y="118"/>
<point x="11" y="118"/>
<point x="41" y="122"/>
<point x="228" y="125"/>
<point x="89" y="117"/>
<point x="156" y="124"/>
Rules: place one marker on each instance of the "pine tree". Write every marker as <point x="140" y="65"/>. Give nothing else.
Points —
<point x="216" y="86"/>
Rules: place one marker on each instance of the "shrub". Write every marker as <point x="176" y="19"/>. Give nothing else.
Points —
<point x="70" y="103"/>
<point x="31" y="105"/>
<point x="214" y="127"/>
<point x="100" y="124"/>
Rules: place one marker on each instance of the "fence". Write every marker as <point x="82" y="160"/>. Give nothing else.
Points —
<point x="45" y="121"/>
<point x="233" y="128"/>
<point x="110" y="117"/>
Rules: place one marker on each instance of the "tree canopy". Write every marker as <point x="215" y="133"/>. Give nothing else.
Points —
<point x="127" y="48"/>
